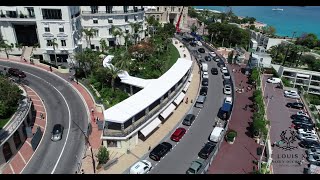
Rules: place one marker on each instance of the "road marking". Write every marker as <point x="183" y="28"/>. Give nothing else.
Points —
<point x="11" y="168"/>
<point x="37" y="105"/>
<point x="41" y="112"/>
<point x="31" y="146"/>
<point x="22" y="157"/>
<point x="38" y="125"/>
<point x="32" y="95"/>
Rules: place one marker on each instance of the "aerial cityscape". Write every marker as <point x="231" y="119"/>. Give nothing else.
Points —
<point x="159" y="90"/>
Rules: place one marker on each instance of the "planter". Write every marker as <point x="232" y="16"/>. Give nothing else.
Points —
<point x="231" y="136"/>
<point x="232" y="141"/>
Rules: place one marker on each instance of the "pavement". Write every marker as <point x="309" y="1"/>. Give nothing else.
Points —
<point x="238" y="158"/>
<point x="285" y="160"/>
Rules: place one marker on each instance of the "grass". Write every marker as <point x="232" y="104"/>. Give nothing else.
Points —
<point x="174" y="56"/>
<point x="3" y="122"/>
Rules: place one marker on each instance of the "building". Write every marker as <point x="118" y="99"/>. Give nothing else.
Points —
<point x="263" y="40"/>
<point x="102" y="18"/>
<point x="258" y="59"/>
<point x="308" y="80"/>
<point x="168" y="14"/>
<point x="38" y="26"/>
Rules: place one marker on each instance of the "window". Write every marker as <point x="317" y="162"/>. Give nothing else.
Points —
<point x="46" y="29"/>
<point x="110" y="20"/>
<point x="125" y="9"/>
<point x="51" y="14"/>
<point x="30" y="11"/>
<point x="92" y="46"/>
<point x="95" y="21"/>
<point x="172" y="8"/>
<point x="158" y="8"/>
<point x="61" y="29"/>
<point x="110" y="31"/>
<point x="158" y="18"/>
<point x="94" y="9"/>
<point x="165" y="9"/>
<point x="109" y="9"/>
<point x="49" y="42"/>
<point x="63" y="42"/>
<point x="127" y="30"/>
<point x="126" y="18"/>
<point x="135" y="18"/>
<point x="12" y="14"/>
<point x="179" y="9"/>
<point x="97" y="48"/>
<point x="135" y="8"/>
<point x="96" y="33"/>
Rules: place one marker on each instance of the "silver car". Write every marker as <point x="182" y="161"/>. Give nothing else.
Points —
<point x="313" y="151"/>
<point x="310" y="137"/>
<point x="292" y="95"/>
<point x="314" y="158"/>
<point x="227" y="90"/>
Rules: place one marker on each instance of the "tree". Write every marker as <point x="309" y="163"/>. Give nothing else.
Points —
<point x="5" y="47"/>
<point x="193" y="28"/>
<point x="122" y="61"/>
<point x="113" y="72"/>
<point x="251" y="20"/>
<point x="103" y="45"/>
<point x="169" y="29"/>
<point x="308" y="59"/>
<point x="103" y="155"/>
<point x="136" y="30"/>
<point x="9" y="97"/>
<point x="192" y="12"/>
<point x="310" y="40"/>
<point x="252" y="27"/>
<point x="230" y="57"/>
<point x="19" y="46"/>
<point x="269" y="30"/>
<point x="116" y="32"/>
<point x="89" y="33"/>
<point x="54" y="44"/>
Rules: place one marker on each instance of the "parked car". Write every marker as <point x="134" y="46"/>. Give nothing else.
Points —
<point x="16" y="73"/>
<point x="227" y="89"/>
<point x="203" y="91"/>
<point x="193" y="44"/>
<point x="312" y="151"/>
<point x="309" y="144"/>
<point x="160" y="150"/>
<point x="293" y="96"/>
<point x="226" y="82"/>
<point x="57" y="132"/>
<point x="205" y="82"/>
<point x="224" y="70"/>
<point x="178" y="133"/>
<point x="195" y="167"/>
<point x="205" y="75"/>
<point x="141" y="167"/>
<point x="214" y="71"/>
<point x="274" y="80"/>
<point x="311" y="137"/>
<point x="217" y="59"/>
<point x="306" y="131"/>
<point x="228" y="99"/>
<point x="207" y="58"/>
<point x="201" y="50"/>
<point x="221" y="64"/>
<point x="295" y="105"/>
<point x="302" y="113"/>
<point x="298" y="117"/>
<point x="302" y="122"/>
<point x="226" y="76"/>
<point x="206" y="150"/>
<point x="290" y="92"/>
<point x="304" y="126"/>
<point x="188" y="120"/>
<point x="315" y="158"/>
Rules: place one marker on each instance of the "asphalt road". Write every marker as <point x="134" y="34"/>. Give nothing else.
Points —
<point x="179" y="159"/>
<point x="63" y="106"/>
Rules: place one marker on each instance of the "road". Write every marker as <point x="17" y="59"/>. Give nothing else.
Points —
<point x="184" y="152"/>
<point x="63" y="106"/>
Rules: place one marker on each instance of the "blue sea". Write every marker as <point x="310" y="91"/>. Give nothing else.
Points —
<point x="292" y="19"/>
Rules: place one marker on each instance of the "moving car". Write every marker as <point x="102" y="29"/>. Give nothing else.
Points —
<point x="57" y="132"/>
<point x="309" y="144"/>
<point x="203" y="91"/>
<point x="295" y="105"/>
<point x="195" y="167"/>
<point x="206" y="150"/>
<point x="315" y="158"/>
<point x="193" y="44"/>
<point x="306" y="131"/>
<point x="312" y="151"/>
<point x="205" y="82"/>
<point x="141" y="167"/>
<point x="274" y="80"/>
<point x="201" y="50"/>
<point x="205" y="75"/>
<point x="224" y="70"/>
<point x="228" y="100"/>
<point x="221" y="64"/>
<point x="214" y="71"/>
<point x="207" y="58"/>
<point x="227" y="89"/>
<point x="178" y="133"/>
<point x="188" y="120"/>
<point x="16" y="73"/>
<point x="311" y="137"/>
<point x="302" y="113"/>
<point x="160" y="150"/>
<point x="226" y="76"/>
<point x="217" y="59"/>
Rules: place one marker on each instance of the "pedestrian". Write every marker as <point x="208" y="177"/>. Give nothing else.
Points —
<point x="92" y="110"/>
<point x="246" y="107"/>
<point x="82" y="171"/>
<point x="149" y="148"/>
<point x="50" y="68"/>
<point x="187" y="100"/>
<point x="271" y="97"/>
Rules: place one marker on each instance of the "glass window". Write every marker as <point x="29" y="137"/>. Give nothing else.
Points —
<point x="61" y="29"/>
<point x="95" y="21"/>
<point x="30" y="11"/>
<point x="110" y="21"/>
<point x="109" y="9"/>
<point x="63" y="42"/>
<point x="126" y="18"/>
<point x="51" y="13"/>
<point x="94" y="9"/>
<point x="110" y="31"/>
<point x="49" y="42"/>
<point x="47" y="29"/>
<point x="125" y="9"/>
<point x="158" y="8"/>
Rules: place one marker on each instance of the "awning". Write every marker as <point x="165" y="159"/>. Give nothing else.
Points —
<point x="186" y="87"/>
<point x="178" y="100"/>
<point x="303" y="75"/>
<point x="150" y="127"/>
<point x="166" y="113"/>
<point x="190" y="79"/>
<point x="9" y="8"/>
<point x="110" y="19"/>
<point x="94" y="18"/>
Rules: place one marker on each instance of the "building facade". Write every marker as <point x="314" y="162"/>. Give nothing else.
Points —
<point x="39" y="26"/>
<point x="259" y="39"/>
<point x="168" y="14"/>
<point x="102" y="18"/>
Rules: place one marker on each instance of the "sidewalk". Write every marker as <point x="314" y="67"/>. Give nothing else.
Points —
<point x="238" y="158"/>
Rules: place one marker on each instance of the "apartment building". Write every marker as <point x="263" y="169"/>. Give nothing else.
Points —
<point x="40" y="25"/>
<point x="259" y="39"/>
<point x="168" y="14"/>
<point x="102" y="18"/>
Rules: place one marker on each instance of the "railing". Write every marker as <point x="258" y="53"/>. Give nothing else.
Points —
<point x="17" y="17"/>
<point x="16" y="120"/>
<point x="111" y="13"/>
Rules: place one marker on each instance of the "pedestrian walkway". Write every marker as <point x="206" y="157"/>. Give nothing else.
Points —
<point x="24" y="154"/>
<point x="238" y="158"/>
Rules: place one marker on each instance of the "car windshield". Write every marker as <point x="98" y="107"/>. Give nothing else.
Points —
<point x="191" y="171"/>
<point x="144" y="163"/>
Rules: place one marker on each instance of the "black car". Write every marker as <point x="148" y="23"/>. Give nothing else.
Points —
<point x="205" y="82"/>
<point x="307" y="123"/>
<point x="16" y="73"/>
<point x="295" y="105"/>
<point x="309" y="144"/>
<point x="203" y="91"/>
<point x="160" y="150"/>
<point x="188" y="120"/>
<point x="303" y="126"/>
<point x="221" y="64"/>
<point x="201" y="50"/>
<point x="227" y="82"/>
<point x="214" y="71"/>
<point x="57" y="132"/>
<point x="206" y="150"/>
<point x="193" y="44"/>
<point x="300" y="117"/>
<point x="207" y="58"/>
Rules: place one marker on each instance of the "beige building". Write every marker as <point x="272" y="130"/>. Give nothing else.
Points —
<point x="167" y="14"/>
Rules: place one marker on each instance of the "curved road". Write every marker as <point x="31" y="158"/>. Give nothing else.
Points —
<point x="63" y="106"/>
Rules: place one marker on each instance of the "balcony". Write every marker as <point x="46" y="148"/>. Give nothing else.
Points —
<point x="6" y="17"/>
<point x="101" y="13"/>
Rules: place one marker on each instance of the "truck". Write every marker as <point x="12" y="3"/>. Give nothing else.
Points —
<point x="225" y="111"/>
<point x="204" y="67"/>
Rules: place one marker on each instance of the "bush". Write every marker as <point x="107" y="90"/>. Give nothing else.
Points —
<point x="103" y="155"/>
<point x="231" y="134"/>
<point x="286" y="82"/>
<point x="318" y="125"/>
<point x="313" y="108"/>
<point x="313" y="99"/>
<point x="63" y="67"/>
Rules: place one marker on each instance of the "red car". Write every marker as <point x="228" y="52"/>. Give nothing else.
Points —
<point x="177" y="135"/>
<point x="16" y="73"/>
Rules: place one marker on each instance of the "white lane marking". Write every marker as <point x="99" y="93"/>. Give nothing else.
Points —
<point x="11" y="168"/>
<point x="22" y="157"/>
<point x="43" y="131"/>
<point x="37" y="105"/>
<point x="32" y="95"/>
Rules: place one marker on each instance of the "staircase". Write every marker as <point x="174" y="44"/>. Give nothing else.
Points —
<point x="27" y="52"/>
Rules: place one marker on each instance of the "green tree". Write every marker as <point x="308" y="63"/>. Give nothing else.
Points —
<point x="193" y="28"/>
<point x="113" y="72"/>
<point x="19" y="46"/>
<point x="270" y="30"/>
<point x="103" y="45"/>
<point x="230" y="57"/>
<point x="9" y="97"/>
<point x="89" y="33"/>
<point x="310" y="40"/>
<point x="192" y="12"/>
<point x="136" y="30"/>
<point x="116" y="32"/>
<point x="5" y="47"/>
<point x="169" y="28"/>
<point x="252" y="26"/>
<point x="54" y="45"/>
<point x="103" y="155"/>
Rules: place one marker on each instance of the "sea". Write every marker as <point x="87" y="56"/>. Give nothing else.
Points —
<point x="299" y="19"/>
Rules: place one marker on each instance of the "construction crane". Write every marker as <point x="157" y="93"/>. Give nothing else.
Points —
<point x="178" y="30"/>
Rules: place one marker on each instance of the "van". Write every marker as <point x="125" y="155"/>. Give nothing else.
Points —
<point x="216" y="134"/>
<point x="200" y="101"/>
<point x="141" y="167"/>
<point x="204" y="67"/>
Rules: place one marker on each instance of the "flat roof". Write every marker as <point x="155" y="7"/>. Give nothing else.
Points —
<point x="301" y="71"/>
<point x="131" y="106"/>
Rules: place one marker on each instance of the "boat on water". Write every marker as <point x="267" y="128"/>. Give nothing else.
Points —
<point x="277" y="9"/>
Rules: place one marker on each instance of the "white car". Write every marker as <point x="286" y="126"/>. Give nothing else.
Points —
<point x="315" y="158"/>
<point x="226" y="76"/>
<point x="274" y="80"/>
<point x="228" y="100"/>
<point x="302" y="113"/>
<point x="306" y="131"/>
<point x="227" y="89"/>
<point x="205" y="75"/>
<point x="224" y="70"/>
<point x="294" y="96"/>
<point x="141" y="167"/>
<point x="291" y="92"/>
<point x="312" y="151"/>
<point x="310" y="137"/>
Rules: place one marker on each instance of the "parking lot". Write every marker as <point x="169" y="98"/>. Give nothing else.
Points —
<point x="287" y="157"/>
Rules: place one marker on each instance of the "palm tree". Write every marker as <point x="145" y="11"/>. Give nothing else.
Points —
<point x="301" y="49"/>
<point x="89" y="33"/>
<point x="136" y="30"/>
<point x="103" y="45"/>
<point x="123" y="61"/>
<point x="116" y="31"/>
<point x="54" y="44"/>
<point x="113" y="72"/>
<point x="5" y="47"/>
<point x="127" y="39"/>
